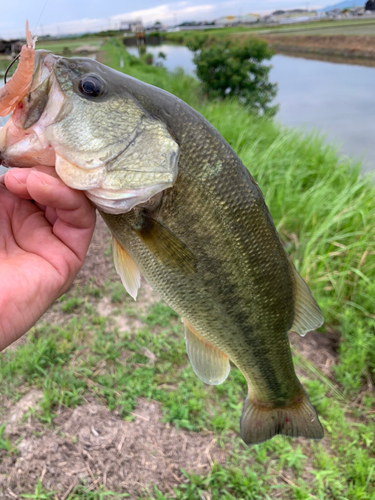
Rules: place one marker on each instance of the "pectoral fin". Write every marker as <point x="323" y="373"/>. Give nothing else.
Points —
<point x="126" y="268"/>
<point x="209" y="363"/>
<point x="164" y="245"/>
<point x="307" y="315"/>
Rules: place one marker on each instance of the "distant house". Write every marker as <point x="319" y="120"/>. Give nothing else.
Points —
<point x="158" y="26"/>
<point x="358" y="11"/>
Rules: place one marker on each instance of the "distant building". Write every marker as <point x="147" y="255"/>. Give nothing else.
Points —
<point x="234" y="20"/>
<point x="358" y="11"/>
<point x="290" y="16"/>
<point x="226" y="21"/>
<point x="249" y="18"/>
<point x="10" y="46"/>
<point x="131" y="27"/>
<point x="158" y="26"/>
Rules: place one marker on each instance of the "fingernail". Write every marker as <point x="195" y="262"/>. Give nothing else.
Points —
<point x="46" y="179"/>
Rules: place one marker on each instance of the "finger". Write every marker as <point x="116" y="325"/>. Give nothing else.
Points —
<point x="50" y="191"/>
<point x="72" y="206"/>
<point x="41" y="207"/>
<point x="75" y="220"/>
<point x="51" y="215"/>
<point x="16" y="179"/>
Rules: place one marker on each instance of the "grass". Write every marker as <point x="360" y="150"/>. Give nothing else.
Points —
<point x="340" y="467"/>
<point x="323" y="27"/>
<point x="68" y="44"/>
<point x="324" y="211"/>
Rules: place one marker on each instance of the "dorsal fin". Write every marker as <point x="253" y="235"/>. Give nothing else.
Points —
<point x="126" y="268"/>
<point x="307" y="315"/>
<point x="209" y="363"/>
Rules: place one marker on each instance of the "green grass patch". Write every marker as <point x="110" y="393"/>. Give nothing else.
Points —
<point x="91" y="358"/>
<point x="68" y="44"/>
<point x="324" y="27"/>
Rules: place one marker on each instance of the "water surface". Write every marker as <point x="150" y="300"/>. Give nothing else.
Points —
<point x="334" y="99"/>
<point x="177" y="56"/>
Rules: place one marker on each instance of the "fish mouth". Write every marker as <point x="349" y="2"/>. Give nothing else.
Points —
<point x="23" y="141"/>
<point x="118" y="176"/>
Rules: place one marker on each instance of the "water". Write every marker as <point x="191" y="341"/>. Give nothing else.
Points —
<point x="4" y="63"/>
<point x="177" y="55"/>
<point x="334" y="99"/>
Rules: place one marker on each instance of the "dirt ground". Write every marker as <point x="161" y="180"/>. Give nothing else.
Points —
<point x="97" y="447"/>
<point x="342" y="46"/>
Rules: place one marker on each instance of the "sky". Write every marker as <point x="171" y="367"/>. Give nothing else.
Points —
<point x="56" y="17"/>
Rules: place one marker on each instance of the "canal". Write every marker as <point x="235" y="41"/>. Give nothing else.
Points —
<point x="334" y="99"/>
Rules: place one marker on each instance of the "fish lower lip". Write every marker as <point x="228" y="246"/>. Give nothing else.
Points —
<point x="122" y="201"/>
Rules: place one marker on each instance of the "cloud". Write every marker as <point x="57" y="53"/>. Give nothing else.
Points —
<point x="166" y="13"/>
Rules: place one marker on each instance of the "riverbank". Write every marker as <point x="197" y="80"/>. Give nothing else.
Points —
<point x="351" y="47"/>
<point x="115" y="406"/>
<point x="348" y="39"/>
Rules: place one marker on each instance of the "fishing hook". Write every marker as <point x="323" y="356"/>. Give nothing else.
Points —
<point x="8" y="68"/>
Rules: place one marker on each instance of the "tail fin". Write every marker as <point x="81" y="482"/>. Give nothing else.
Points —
<point x="259" y="423"/>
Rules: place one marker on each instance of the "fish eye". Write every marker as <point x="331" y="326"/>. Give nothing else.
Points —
<point x="91" y="86"/>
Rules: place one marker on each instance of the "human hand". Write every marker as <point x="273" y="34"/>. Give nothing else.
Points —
<point x="42" y="245"/>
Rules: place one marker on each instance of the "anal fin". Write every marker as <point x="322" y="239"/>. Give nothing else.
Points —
<point x="209" y="363"/>
<point x="126" y="268"/>
<point x="307" y="314"/>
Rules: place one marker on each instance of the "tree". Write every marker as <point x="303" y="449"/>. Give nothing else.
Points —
<point x="233" y="68"/>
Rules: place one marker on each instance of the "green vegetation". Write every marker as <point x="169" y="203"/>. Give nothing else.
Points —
<point x="177" y="83"/>
<point x="233" y="69"/>
<point x="325" y="215"/>
<point x="67" y="45"/>
<point x="340" y="467"/>
<point x="4" y="63"/>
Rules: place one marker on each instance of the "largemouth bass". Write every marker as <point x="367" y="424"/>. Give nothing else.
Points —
<point x="186" y="214"/>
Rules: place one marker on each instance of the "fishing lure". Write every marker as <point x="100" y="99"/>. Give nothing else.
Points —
<point x="16" y="88"/>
